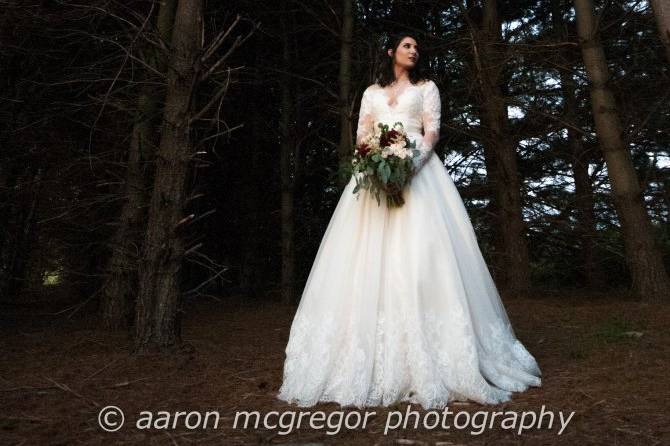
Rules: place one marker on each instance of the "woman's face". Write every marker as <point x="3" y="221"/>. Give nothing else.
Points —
<point x="407" y="53"/>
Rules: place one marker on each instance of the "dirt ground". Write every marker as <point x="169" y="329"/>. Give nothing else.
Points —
<point x="605" y="357"/>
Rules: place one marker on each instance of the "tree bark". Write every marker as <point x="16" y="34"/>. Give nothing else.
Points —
<point x="346" y="36"/>
<point x="649" y="277"/>
<point x="287" y="182"/>
<point x="157" y="321"/>
<point x="121" y="280"/>
<point x="25" y="235"/>
<point x="584" y="202"/>
<point x="500" y="155"/>
<point x="251" y="280"/>
<point x="662" y="12"/>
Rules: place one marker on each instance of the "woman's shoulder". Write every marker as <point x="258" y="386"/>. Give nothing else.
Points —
<point x="426" y="83"/>
<point x="373" y="87"/>
<point x="429" y="88"/>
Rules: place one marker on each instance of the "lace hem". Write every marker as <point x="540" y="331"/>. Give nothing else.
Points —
<point x="405" y="363"/>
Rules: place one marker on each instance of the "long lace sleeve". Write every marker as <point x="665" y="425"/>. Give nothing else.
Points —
<point x="365" y="117"/>
<point x="430" y="118"/>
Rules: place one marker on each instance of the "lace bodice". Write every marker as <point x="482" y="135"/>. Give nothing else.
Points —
<point x="416" y="106"/>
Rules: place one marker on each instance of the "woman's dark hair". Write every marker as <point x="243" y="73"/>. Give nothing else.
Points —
<point x="386" y="73"/>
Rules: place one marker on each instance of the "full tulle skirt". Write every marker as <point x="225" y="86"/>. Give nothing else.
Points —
<point x="400" y="306"/>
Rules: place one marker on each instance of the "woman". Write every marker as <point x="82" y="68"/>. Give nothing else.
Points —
<point x="399" y="304"/>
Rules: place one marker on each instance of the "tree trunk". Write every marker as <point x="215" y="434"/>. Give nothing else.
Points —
<point x="650" y="280"/>
<point x="498" y="257"/>
<point x="501" y="155"/>
<point x="584" y="202"/>
<point x="287" y="190"/>
<point x="250" y="276"/>
<point x="662" y="12"/>
<point x="346" y="36"/>
<point x="121" y="280"/>
<point x="25" y="235"/>
<point x="157" y="320"/>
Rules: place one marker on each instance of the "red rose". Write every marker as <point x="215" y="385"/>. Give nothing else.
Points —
<point x="363" y="149"/>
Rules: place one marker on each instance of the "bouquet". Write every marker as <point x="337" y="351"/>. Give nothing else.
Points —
<point x="383" y="163"/>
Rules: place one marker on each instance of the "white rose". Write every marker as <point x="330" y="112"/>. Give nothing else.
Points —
<point x="396" y="148"/>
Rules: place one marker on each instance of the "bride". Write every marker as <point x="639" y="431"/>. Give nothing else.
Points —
<point x="399" y="304"/>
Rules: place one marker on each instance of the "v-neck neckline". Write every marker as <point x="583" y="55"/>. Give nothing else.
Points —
<point x="397" y="98"/>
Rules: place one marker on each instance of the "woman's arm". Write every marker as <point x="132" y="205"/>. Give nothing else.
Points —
<point x="430" y="118"/>
<point x="365" y="118"/>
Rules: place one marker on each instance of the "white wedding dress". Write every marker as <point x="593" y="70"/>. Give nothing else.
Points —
<point x="399" y="304"/>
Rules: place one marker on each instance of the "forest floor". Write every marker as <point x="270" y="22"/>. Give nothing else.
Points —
<point x="604" y="357"/>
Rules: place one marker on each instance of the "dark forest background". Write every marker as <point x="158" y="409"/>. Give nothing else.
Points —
<point x="159" y="153"/>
